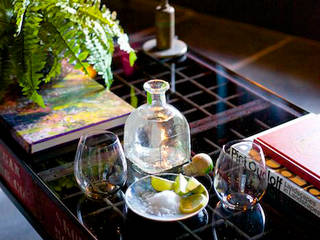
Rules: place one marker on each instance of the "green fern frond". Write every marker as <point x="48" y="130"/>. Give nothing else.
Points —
<point x="103" y="30"/>
<point x="34" y="57"/>
<point x="31" y="79"/>
<point x="55" y="70"/>
<point x="83" y="31"/>
<point x="94" y="15"/>
<point x="100" y="58"/>
<point x="20" y="7"/>
<point x="63" y="42"/>
<point x="99" y="44"/>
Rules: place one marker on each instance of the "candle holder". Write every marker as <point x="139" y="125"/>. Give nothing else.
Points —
<point x="165" y="45"/>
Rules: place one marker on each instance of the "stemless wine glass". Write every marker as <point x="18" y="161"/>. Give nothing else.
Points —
<point x="100" y="166"/>
<point x="240" y="178"/>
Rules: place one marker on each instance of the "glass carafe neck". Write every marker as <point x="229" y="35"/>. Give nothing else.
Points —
<point x="165" y="2"/>
<point x="156" y="90"/>
<point x="156" y="99"/>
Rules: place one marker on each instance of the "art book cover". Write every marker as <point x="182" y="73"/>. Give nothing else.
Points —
<point x="74" y="105"/>
<point x="296" y="146"/>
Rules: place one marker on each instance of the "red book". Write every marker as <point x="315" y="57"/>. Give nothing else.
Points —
<point x="34" y="196"/>
<point x="296" y="146"/>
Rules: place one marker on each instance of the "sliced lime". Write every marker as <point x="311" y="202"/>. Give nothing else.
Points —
<point x="192" y="184"/>
<point x="180" y="185"/>
<point x="199" y="189"/>
<point x="192" y="203"/>
<point x="161" y="184"/>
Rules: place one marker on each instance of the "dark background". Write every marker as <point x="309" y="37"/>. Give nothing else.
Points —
<point x="298" y="17"/>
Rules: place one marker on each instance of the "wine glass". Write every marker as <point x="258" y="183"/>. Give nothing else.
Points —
<point x="100" y="166"/>
<point x="240" y="179"/>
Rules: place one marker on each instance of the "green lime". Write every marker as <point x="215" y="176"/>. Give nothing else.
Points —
<point x="199" y="189"/>
<point x="161" y="184"/>
<point x="201" y="165"/>
<point x="193" y="203"/>
<point x="180" y="185"/>
<point x="192" y="184"/>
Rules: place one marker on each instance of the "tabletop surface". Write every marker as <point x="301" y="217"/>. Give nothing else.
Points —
<point x="220" y="106"/>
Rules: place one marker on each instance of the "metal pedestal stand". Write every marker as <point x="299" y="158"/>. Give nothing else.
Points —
<point x="179" y="48"/>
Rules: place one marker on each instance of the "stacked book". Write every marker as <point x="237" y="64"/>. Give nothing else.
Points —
<point x="292" y="153"/>
<point x="75" y="104"/>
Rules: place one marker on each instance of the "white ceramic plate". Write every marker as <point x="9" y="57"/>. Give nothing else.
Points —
<point x="136" y="199"/>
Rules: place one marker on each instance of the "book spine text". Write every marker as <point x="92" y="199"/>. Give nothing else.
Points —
<point x="285" y="181"/>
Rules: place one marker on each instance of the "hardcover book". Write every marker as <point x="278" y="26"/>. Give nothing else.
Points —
<point x="38" y="199"/>
<point x="288" y="183"/>
<point x="74" y="105"/>
<point x="296" y="146"/>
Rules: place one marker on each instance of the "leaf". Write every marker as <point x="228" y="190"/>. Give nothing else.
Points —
<point x="133" y="98"/>
<point x="149" y="98"/>
<point x="33" y="58"/>
<point x="108" y="78"/>
<point x="83" y="55"/>
<point x="35" y="97"/>
<point x="95" y="15"/>
<point x="54" y="71"/>
<point x="70" y="51"/>
<point x="20" y="8"/>
<point x="132" y="58"/>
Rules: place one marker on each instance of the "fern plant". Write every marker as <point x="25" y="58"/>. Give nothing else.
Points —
<point x="32" y="31"/>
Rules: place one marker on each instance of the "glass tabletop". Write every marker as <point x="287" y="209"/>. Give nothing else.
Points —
<point x="220" y="106"/>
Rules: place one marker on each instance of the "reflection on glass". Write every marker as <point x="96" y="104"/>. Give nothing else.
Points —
<point x="100" y="166"/>
<point x="240" y="177"/>
<point x="104" y="221"/>
<point x="199" y="220"/>
<point x="230" y="225"/>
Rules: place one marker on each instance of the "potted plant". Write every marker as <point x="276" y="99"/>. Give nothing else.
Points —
<point x="35" y="35"/>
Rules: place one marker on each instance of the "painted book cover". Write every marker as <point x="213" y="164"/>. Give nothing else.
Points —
<point x="74" y="105"/>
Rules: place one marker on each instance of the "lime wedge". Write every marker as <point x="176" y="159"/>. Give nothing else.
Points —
<point x="195" y="186"/>
<point x="192" y="203"/>
<point x="192" y="184"/>
<point x="199" y="189"/>
<point x="161" y="184"/>
<point x="180" y="185"/>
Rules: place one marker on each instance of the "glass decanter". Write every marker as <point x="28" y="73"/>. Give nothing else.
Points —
<point x="156" y="134"/>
